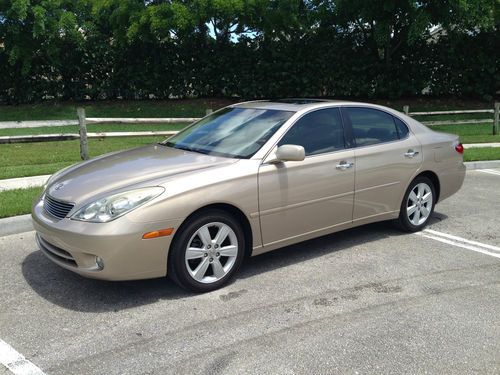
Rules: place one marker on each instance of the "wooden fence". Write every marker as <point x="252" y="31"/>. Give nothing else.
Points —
<point x="83" y="135"/>
<point x="494" y="120"/>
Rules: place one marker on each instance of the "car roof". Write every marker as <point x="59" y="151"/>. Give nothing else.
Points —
<point x="290" y="104"/>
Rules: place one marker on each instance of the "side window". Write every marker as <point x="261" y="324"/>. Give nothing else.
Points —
<point x="371" y="126"/>
<point x="402" y="128"/>
<point x="318" y="132"/>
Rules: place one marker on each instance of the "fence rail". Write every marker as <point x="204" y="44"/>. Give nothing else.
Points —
<point x="457" y="122"/>
<point x="131" y="120"/>
<point x="73" y="136"/>
<point x="494" y="121"/>
<point x="83" y="135"/>
<point x="460" y="112"/>
<point x="35" y="124"/>
<point x="95" y="120"/>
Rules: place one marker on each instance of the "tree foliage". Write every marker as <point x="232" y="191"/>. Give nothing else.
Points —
<point x="76" y="49"/>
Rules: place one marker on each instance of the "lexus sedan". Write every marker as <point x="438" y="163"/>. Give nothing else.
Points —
<point x="247" y="179"/>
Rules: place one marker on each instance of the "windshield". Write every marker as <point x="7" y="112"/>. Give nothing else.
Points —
<point x="231" y="132"/>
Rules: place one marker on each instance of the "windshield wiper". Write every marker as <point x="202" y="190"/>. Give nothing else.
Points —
<point x="201" y="151"/>
<point x="184" y="148"/>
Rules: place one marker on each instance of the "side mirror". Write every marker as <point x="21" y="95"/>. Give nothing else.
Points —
<point x="288" y="153"/>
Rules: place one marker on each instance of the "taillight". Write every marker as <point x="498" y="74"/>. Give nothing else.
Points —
<point x="459" y="148"/>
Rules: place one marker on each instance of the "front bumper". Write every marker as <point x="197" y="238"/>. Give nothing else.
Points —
<point x="124" y="255"/>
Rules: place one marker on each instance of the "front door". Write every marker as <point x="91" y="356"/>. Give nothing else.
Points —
<point x="313" y="195"/>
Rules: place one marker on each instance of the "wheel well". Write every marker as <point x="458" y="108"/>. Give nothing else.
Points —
<point x="435" y="180"/>
<point x="237" y="213"/>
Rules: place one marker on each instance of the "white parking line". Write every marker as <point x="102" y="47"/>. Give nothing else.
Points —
<point x="16" y="362"/>
<point x="490" y="171"/>
<point x="460" y="239"/>
<point x="449" y="239"/>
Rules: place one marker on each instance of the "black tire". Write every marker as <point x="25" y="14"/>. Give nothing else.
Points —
<point x="177" y="268"/>
<point x="404" y="221"/>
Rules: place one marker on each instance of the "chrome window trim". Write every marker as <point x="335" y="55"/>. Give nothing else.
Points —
<point x="268" y="148"/>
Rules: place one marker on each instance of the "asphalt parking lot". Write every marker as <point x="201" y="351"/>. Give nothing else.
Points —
<point x="367" y="300"/>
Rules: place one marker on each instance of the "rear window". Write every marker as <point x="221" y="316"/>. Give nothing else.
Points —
<point x="371" y="126"/>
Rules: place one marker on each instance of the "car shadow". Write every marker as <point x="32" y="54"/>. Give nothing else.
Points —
<point x="73" y="292"/>
<point x="304" y="251"/>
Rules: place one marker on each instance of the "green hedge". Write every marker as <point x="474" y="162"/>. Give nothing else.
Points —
<point x="161" y="49"/>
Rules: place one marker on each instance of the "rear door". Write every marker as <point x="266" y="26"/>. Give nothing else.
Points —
<point x="387" y="157"/>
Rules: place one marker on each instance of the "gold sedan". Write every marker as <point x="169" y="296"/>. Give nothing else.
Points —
<point x="247" y="179"/>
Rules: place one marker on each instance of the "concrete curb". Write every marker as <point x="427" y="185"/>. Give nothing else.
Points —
<point x="15" y="225"/>
<point x="481" y="145"/>
<point x="23" y="182"/>
<point x="22" y="223"/>
<point x="471" y="165"/>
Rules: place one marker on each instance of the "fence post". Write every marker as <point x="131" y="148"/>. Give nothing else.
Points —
<point x="495" y="118"/>
<point x="84" y="147"/>
<point x="208" y="111"/>
<point x="406" y="109"/>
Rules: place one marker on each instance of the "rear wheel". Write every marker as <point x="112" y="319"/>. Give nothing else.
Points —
<point x="418" y="205"/>
<point x="207" y="252"/>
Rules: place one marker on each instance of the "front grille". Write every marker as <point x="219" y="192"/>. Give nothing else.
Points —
<point x="56" y="208"/>
<point x="56" y="252"/>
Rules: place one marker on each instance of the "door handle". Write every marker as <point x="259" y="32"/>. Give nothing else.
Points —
<point x="343" y="165"/>
<point x="410" y="153"/>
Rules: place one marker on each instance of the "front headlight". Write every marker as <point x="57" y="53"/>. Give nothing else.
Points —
<point x="116" y="205"/>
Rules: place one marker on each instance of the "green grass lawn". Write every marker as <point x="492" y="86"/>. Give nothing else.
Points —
<point x="484" y="153"/>
<point x="474" y="133"/>
<point x="31" y="159"/>
<point x="18" y="201"/>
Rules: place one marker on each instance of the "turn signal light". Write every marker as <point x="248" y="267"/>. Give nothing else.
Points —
<point x="459" y="148"/>
<point x="158" y="233"/>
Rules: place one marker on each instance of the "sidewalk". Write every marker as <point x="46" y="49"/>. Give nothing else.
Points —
<point x="481" y="145"/>
<point x="23" y="182"/>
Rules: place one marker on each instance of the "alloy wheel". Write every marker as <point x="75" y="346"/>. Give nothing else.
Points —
<point x="211" y="252"/>
<point x="419" y="204"/>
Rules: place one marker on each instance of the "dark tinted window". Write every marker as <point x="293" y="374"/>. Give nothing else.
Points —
<point x="402" y="128"/>
<point x="371" y="126"/>
<point x="318" y="132"/>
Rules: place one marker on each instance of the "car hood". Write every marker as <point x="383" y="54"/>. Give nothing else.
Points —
<point x="128" y="169"/>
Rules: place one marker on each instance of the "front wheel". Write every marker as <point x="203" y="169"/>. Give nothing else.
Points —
<point x="207" y="252"/>
<point x="418" y="205"/>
